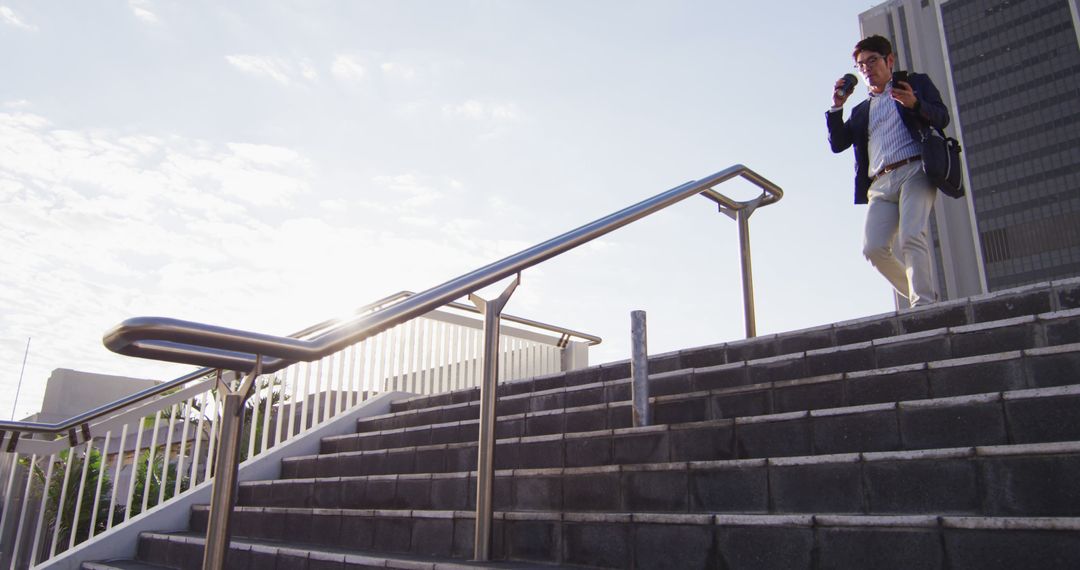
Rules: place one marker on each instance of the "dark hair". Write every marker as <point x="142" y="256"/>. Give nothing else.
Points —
<point x="877" y="44"/>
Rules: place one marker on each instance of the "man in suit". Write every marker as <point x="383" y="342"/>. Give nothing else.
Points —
<point x="886" y="130"/>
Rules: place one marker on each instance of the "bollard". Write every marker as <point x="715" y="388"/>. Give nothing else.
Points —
<point x="639" y="369"/>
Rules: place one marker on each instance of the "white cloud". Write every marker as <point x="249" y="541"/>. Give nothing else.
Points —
<point x="9" y="17"/>
<point x="419" y="191"/>
<point x="507" y="112"/>
<point x="142" y="11"/>
<point x="335" y="205"/>
<point x="308" y="71"/>
<point x="266" y="154"/>
<point x="476" y="110"/>
<point x="467" y="110"/>
<point x="285" y="71"/>
<point x="260" y="66"/>
<point x="398" y="70"/>
<point x="348" y="68"/>
<point x="419" y="221"/>
<point x="96" y="227"/>
<point x="17" y="104"/>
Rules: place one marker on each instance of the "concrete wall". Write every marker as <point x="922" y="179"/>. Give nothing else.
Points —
<point x="69" y="393"/>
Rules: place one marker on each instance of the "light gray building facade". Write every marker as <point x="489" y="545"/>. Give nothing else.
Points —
<point x="1009" y="70"/>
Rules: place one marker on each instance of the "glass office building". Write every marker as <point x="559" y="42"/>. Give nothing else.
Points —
<point x="1010" y="72"/>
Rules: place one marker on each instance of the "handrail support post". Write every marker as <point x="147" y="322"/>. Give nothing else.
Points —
<point x="747" y="273"/>
<point x="741" y="216"/>
<point x="485" y="461"/>
<point x="223" y="495"/>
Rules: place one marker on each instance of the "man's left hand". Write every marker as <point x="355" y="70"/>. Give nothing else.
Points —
<point x="903" y="94"/>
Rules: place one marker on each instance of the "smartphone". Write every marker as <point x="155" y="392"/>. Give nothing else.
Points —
<point x="899" y="76"/>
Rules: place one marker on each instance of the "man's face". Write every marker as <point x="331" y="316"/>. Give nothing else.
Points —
<point x="875" y="69"/>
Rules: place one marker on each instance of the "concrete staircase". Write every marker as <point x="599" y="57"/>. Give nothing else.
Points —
<point x="946" y="437"/>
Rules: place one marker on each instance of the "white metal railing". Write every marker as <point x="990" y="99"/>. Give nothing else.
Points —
<point x="138" y="458"/>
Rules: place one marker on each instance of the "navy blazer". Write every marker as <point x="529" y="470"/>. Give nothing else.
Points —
<point x="855" y="131"/>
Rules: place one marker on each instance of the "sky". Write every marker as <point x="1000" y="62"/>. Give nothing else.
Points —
<point x="268" y="165"/>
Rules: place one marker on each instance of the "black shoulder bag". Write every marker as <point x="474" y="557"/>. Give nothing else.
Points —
<point x="941" y="162"/>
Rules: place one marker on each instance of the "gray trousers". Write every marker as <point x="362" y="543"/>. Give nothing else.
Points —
<point x="899" y="209"/>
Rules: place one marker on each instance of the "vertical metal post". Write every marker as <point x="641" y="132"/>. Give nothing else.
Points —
<point x="639" y="369"/>
<point x="740" y="212"/>
<point x="485" y="462"/>
<point x="743" y="219"/>
<point x="218" y="532"/>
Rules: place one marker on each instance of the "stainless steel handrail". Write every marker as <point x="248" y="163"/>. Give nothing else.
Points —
<point x="253" y="353"/>
<point x="188" y="342"/>
<point x="591" y="340"/>
<point x="250" y="352"/>
<point x="59" y="428"/>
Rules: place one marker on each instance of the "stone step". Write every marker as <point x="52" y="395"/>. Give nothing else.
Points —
<point x="1021" y="479"/>
<point x="184" y="551"/>
<point x="1033" y="368"/>
<point x="121" y="565"/>
<point x="995" y="418"/>
<point x="1025" y="301"/>
<point x="1016" y="334"/>
<point x="668" y="540"/>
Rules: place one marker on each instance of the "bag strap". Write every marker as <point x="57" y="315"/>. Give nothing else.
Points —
<point x="924" y="133"/>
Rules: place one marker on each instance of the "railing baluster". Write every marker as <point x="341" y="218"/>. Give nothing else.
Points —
<point x="34" y="550"/>
<point x="214" y="399"/>
<point x="305" y="402"/>
<point x="455" y="357"/>
<point x="447" y="359"/>
<point x="9" y="501"/>
<point x="423" y="350"/>
<point x="165" y="456"/>
<point x="255" y="401"/>
<point x="27" y="493"/>
<point x="101" y="473"/>
<point x="268" y="410"/>
<point x="408" y="370"/>
<point x="319" y="402"/>
<point x="134" y="469"/>
<point x="182" y="457"/>
<point x="58" y="520"/>
<point x="467" y="358"/>
<point x="355" y="387"/>
<point x="438" y="331"/>
<point x="362" y="364"/>
<point x="343" y="387"/>
<point x="292" y="405"/>
<point x="150" y="463"/>
<point x="120" y="453"/>
<point x="79" y="492"/>
<point x="518" y="358"/>
<point x="281" y="405"/>
<point x="196" y="451"/>
<point x="502" y="361"/>
<point x="384" y="349"/>
<point x="402" y="343"/>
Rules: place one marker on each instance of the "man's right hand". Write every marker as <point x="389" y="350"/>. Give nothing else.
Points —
<point x="839" y="100"/>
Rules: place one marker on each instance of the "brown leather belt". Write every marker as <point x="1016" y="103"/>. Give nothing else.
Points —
<point x="891" y="167"/>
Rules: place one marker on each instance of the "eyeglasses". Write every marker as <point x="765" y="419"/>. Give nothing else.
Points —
<point x="868" y="62"/>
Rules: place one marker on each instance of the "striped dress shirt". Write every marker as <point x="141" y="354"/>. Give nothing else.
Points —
<point x="890" y="141"/>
